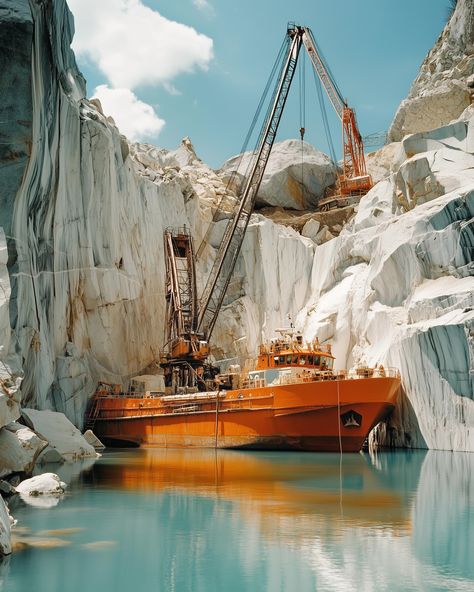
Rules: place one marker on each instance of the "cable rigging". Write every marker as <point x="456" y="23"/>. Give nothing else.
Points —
<point x="277" y="66"/>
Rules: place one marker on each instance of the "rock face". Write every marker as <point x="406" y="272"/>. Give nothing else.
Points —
<point x="396" y="287"/>
<point x="93" y="440"/>
<point x="444" y="86"/>
<point x="318" y="226"/>
<point x="16" y="34"/>
<point x="296" y="175"/>
<point x="9" y="364"/>
<point x="384" y="161"/>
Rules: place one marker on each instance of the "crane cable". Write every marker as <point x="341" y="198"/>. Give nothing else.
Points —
<point x="324" y="114"/>
<point x="278" y="64"/>
<point x="302" y="105"/>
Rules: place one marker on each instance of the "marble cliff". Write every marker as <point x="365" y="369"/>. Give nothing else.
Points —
<point x="83" y="212"/>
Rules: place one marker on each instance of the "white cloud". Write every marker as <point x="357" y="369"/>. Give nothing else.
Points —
<point x="171" y="89"/>
<point x="204" y="6"/>
<point x="134" y="118"/>
<point x="134" y="45"/>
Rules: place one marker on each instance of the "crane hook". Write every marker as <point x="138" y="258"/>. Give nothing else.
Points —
<point x="302" y="131"/>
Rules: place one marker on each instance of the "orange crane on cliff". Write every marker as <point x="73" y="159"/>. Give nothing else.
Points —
<point x="354" y="178"/>
<point x="189" y="320"/>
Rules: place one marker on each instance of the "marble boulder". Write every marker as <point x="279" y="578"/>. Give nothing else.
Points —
<point x="296" y="175"/>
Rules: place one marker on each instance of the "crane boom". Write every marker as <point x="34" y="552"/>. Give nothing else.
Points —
<point x="354" y="176"/>
<point x="322" y="71"/>
<point x="221" y="272"/>
<point x="189" y="323"/>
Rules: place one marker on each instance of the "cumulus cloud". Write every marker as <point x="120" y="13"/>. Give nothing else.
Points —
<point x="134" y="118"/>
<point x="133" y="45"/>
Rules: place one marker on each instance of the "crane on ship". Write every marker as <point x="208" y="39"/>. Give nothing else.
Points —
<point x="190" y="320"/>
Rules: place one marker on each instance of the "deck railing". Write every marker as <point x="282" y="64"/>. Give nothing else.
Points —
<point x="193" y="402"/>
<point x="307" y="375"/>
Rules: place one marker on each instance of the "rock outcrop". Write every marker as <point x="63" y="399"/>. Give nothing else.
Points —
<point x="296" y="175"/>
<point x="19" y="449"/>
<point x="93" y="440"/>
<point x="444" y="86"/>
<point x="59" y="433"/>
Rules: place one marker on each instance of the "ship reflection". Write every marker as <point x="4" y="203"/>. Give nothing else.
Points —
<point x="297" y="490"/>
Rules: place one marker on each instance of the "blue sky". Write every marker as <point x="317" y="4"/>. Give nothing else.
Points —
<point x="197" y="68"/>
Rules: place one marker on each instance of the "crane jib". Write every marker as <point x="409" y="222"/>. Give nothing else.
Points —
<point x="190" y="322"/>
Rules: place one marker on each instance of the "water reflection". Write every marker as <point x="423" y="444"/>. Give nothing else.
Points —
<point x="270" y="487"/>
<point x="443" y="520"/>
<point x="205" y="520"/>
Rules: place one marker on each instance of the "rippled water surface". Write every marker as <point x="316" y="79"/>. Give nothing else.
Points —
<point x="182" y="520"/>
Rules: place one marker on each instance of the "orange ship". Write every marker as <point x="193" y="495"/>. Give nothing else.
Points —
<point x="294" y="400"/>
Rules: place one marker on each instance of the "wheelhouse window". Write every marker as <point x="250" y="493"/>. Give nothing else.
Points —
<point x="317" y="361"/>
<point x="282" y="360"/>
<point x="289" y="359"/>
<point x="302" y="360"/>
<point x="276" y="360"/>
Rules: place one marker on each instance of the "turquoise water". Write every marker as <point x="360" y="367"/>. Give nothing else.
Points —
<point x="152" y="520"/>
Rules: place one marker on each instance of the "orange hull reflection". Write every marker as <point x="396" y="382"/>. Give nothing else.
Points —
<point x="275" y="489"/>
<point x="324" y="415"/>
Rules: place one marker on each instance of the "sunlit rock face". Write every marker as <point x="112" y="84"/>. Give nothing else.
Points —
<point x="444" y="85"/>
<point x="296" y="175"/>
<point x="396" y="287"/>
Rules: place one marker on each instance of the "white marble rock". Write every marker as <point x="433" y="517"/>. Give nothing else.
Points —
<point x="44" y="484"/>
<point x="295" y="177"/>
<point x="61" y="434"/>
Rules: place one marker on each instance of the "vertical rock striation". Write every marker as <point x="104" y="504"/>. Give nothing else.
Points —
<point x="16" y="109"/>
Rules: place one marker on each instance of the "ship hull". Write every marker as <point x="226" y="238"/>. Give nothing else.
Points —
<point x="316" y="416"/>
